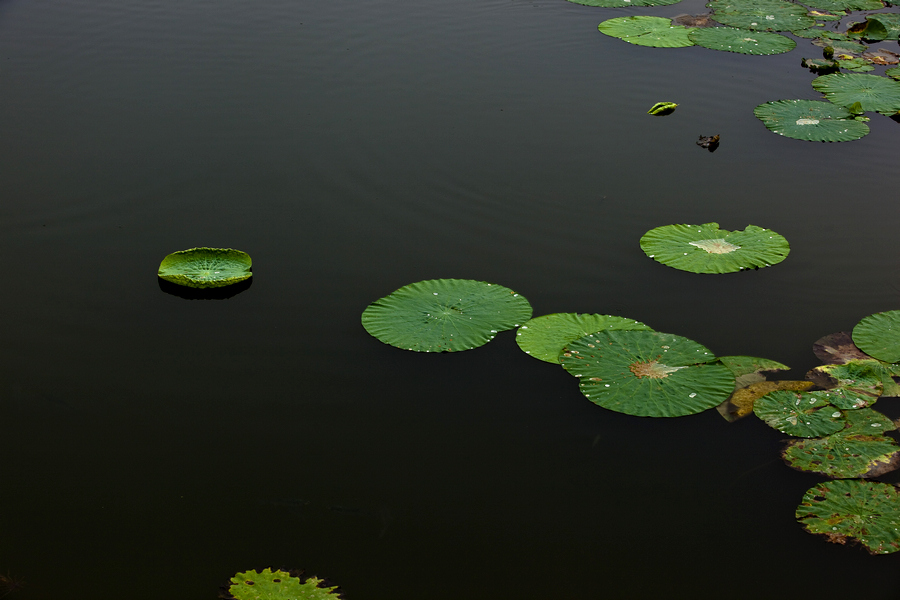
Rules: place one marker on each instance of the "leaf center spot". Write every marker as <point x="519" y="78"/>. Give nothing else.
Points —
<point x="715" y="246"/>
<point x="652" y="369"/>
<point x="807" y="121"/>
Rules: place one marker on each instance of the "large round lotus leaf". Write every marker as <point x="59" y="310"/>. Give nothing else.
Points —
<point x="810" y="120"/>
<point x="444" y="315"/>
<point x="731" y="39"/>
<point x="866" y="511"/>
<point x="647" y="31"/>
<point x="206" y="267"/>
<point x="766" y="15"/>
<point x="878" y="335"/>
<point x="800" y="414"/>
<point x="278" y="585"/>
<point x="707" y="249"/>
<point x="873" y="92"/>
<point x="647" y="373"/>
<point x="544" y="337"/>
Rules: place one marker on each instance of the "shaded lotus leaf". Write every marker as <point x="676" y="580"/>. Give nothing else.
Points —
<point x="811" y="120"/>
<point x="278" y="585"/>
<point x="730" y="39"/>
<point x="895" y="72"/>
<point x="206" y="267"/>
<point x="708" y="249"/>
<point x="444" y="315"/>
<point x="878" y="335"/>
<point x="744" y="365"/>
<point x="841" y="46"/>
<point x="837" y="349"/>
<point x="741" y="402"/>
<point x="891" y="22"/>
<point x="766" y="15"/>
<point x="820" y="65"/>
<point x="703" y="20"/>
<point x="849" y="509"/>
<point x="877" y="27"/>
<point x="857" y="65"/>
<point x="647" y="373"/>
<point x="544" y="337"/>
<point x="874" y="93"/>
<point x="813" y="32"/>
<point x="662" y="108"/>
<point x="860" y="377"/>
<point x="845" y="5"/>
<point x="647" y="31"/>
<point x="820" y="15"/>
<point x="801" y="414"/>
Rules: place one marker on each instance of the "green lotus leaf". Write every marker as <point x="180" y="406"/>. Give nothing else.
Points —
<point x="812" y="32"/>
<point x="858" y="378"/>
<point x="624" y="3"/>
<point x="662" y="108"/>
<point x="810" y="120"/>
<point x="647" y="31"/>
<point x="741" y="402"/>
<point x="765" y="15"/>
<point x="647" y="373"/>
<point x="206" y="267"/>
<point x="745" y="365"/>
<point x="878" y="335"/>
<point x="820" y="65"/>
<point x="841" y="46"/>
<point x="865" y="511"/>
<point x="870" y="30"/>
<point x="742" y="41"/>
<point x="874" y="93"/>
<point x="865" y="421"/>
<point x="891" y="22"/>
<point x="895" y="72"/>
<point x="708" y="249"/>
<point x="844" y="5"/>
<point x="857" y="65"/>
<point x="278" y="585"/>
<point x="801" y="414"/>
<point x="444" y="315"/>
<point x="827" y="16"/>
<point x="544" y="337"/>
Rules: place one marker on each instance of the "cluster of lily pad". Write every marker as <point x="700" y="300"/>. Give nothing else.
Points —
<point x="750" y="26"/>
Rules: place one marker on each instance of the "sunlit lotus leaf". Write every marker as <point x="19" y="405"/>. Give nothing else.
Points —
<point x="731" y="39"/>
<point x="867" y="512"/>
<point x="703" y="20"/>
<point x="662" y="108"/>
<point x="206" y="267"/>
<point x="878" y="335"/>
<point x="544" y="337"/>
<point x="874" y="93"/>
<point x="708" y="249"/>
<point x="895" y="72"/>
<point x="647" y="31"/>
<point x="841" y="46"/>
<point x="741" y="402"/>
<point x="743" y="365"/>
<point x="624" y="3"/>
<point x="444" y="315"/>
<point x="859" y="378"/>
<point x="820" y="15"/>
<point x="278" y="585"/>
<point x="647" y="373"/>
<point x="845" y="5"/>
<point x="800" y="414"/>
<point x="810" y="120"/>
<point x="765" y="15"/>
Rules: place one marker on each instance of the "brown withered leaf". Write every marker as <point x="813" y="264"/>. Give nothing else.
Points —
<point x="838" y="349"/>
<point x="694" y="20"/>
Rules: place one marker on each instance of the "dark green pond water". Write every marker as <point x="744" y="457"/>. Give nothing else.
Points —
<point x="153" y="446"/>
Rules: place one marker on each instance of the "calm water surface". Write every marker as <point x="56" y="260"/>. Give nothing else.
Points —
<point x="153" y="446"/>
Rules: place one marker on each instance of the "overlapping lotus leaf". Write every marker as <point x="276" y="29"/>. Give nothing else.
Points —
<point x="878" y="335"/>
<point x="891" y="22"/>
<point x="206" y="267"/>
<point x="444" y="315"/>
<point x="624" y="3"/>
<point x="877" y="27"/>
<point x="708" y="249"/>
<point x="731" y="39"/>
<point x="865" y="511"/>
<point x="857" y="65"/>
<point x="857" y="378"/>
<point x="278" y="585"/>
<point x="801" y="414"/>
<point x="837" y="349"/>
<point x="544" y="337"/>
<point x="881" y="56"/>
<point x="745" y="365"/>
<point x="810" y="33"/>
<point x="845" y="5"/>
<point x="820" y="65"/>
<point x="647" y="31"/>
<point x="810" y="120"/>
<point x="846" y="399"/>
<point x="821" y="15"/>
<point x="874" y="93"/>
<point x="765" y="15"/>
<point x="741" y="402"/>
<point x="841" y="46"/>
<point x="647" y="373"/>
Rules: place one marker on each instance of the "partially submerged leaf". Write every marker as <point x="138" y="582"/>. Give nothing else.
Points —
<point x="895" y="72"/>
<point x="703" y="20"/>
<point x="837" y="349"/>
<point x="741" y="402"/>
<point x="662" y="108"/>
<point x="874" y="93"/>
<point x="878" y="335"/>
<point x="278" y="585"/>
<point x="647" y="31"/>
<point x="544" y="337"/>
<point x="731" y="39"/>
<point x="840" y="46"/>
<point x="803" y="414"/>
<point x="857" y="65"/>
<point x="820" y="65"/>
<point x="890" y="21"/>
<point x="765" y="15"/>
<point x="742" y="365"/>
<point x="206" y="267"/>
<point x="881" y="57"/>
<point x="811" y="120"/>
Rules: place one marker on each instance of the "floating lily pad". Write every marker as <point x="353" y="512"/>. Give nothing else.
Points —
<point x="865" y="511"/>
<point x="647" y="31"/>
<point x="703" y="20"/>
<point x="881" y="56"/>
<point x="845" y="5"/>
<point x="278" y="585"/>
<point x="800" y="414"/>
<point x="841" y="46"/>
<point x="859" y="378"/>
<point x="624" y="3"/>
<point x="764" y="15"/>
<point x="741" y="402"/>
<point x="878" y="335"/>
<point x="810" y="120"/>
<point x="544" y="337"/>
<point x="819" y="15"/>
<point x="647" y="373"/>
<point x="744" y="365"/>
<point x="742" y="41"/>
<point x="820" y="65"/>
<point x="891" y="22"/>
<point x="708" y="249"/>
<point x="206" y="267"/>
<point x="874" y="93"/>
<point x="810" y="33"/>
<point x="837" y="349"/>
<point x="895" y="72"/>
<point x="445" y="315"/>
<point x="857" y="65"/>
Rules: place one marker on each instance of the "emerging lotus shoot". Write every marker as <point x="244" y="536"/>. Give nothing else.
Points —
<point x="662" y="108"/>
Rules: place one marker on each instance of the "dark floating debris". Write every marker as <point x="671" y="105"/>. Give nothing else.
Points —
<point x="710" y="142"/>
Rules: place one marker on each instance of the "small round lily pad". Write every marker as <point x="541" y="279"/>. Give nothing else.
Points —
<point x="278" y="585"/>
<point x="206" y="267"/>
<point x="708" y="249"/>
<point x="545" y="336"/>
<point x="445" y="315"/>
<point x="878" y="335"/>
<point x="647" y="31"/>
<point x="874" y="93"/>
<point x="810" y="120"/>
<point x="731" y="39"/>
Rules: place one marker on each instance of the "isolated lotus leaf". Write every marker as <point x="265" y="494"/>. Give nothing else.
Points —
<point x="765" y="15"/>
<point x="278" y="585"/>
<point x="647" y="31"/>
<point x="662" y="108"/>
<point x="206" y="267"/>
<point x="810" y="120"/>
<point x="707" y="249"/>
<point x="647" y="373"/>
<point x="878" y="335"/>
<point x="544" y="337"/>
<point x="444" y="315"/>
<point x="874" y="93"/>
<point x="742" y="41"/>
<point x="865" y="511"/>
<point x="845" y="5"/>
<point x="800" y="414"/>
<point x="895" y="72"/>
